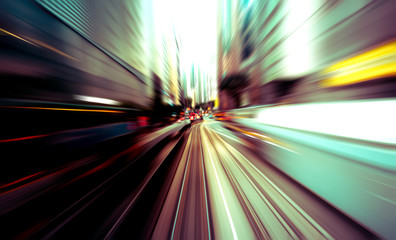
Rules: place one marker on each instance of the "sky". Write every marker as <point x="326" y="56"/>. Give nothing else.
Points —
<point x="195" y="25"/>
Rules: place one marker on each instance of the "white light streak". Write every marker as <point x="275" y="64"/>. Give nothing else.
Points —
<point x="223" y="197"/>
<point x="372" y="120"/>
<point x="96" y="100"/>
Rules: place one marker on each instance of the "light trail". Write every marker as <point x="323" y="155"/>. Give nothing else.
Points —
<point x="280" y="214"/>
<point x="182" y="187"/>
<point x="301" y="211"/>
<point x="223" y="197"/>
<point x="68" y="109"/>
<point x="204" y="179"/>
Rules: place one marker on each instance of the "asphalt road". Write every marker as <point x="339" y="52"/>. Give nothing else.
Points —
<point x="200" y="181"/>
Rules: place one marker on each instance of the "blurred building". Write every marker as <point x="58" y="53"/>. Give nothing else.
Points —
<point x="275" y="51"/>
<point x="170" y="71"/>
<point x="120" y="29"/>
<point x="229" y="51"/>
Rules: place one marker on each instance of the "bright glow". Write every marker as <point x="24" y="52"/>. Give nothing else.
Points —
<point x="297" y="48"/>
<point x="368" y="120"/>
<point x="192" y="23"/>
<point x="96" y="100"/>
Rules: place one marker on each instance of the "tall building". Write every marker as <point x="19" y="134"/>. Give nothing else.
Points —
<point x="229" y="52"/>
<point x="273" y="45"/>
<point x="120" y="29"/>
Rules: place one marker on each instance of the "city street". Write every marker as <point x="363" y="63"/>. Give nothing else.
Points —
<point x="200" y="181"/>
<point x="210" y="119"/>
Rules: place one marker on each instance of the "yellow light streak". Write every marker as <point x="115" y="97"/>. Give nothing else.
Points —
<point x="16" y="36"/>
<point x="43" y="44"/>
<point x="376" y="53"/>
<point x="69" y="109"/>
<point x="251" y="133"/>
<point x="263" y="137"/>
<point x="38" y="43"/>
<point x="381" y="71"/>
<point x="377" y="63"/>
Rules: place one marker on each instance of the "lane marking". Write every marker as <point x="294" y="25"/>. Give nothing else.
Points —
<point x="292" y="203"/>
<point x="382" y="198"/>
<point x="236" y="140"/>
<point x="282" y="221"/>
<point x="181" y="192"/>
<point x="379" y="182"/>
<point x="206" y="198"/>
<point x="223" y="197"/>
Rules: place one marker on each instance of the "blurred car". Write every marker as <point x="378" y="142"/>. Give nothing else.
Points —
<point x="193" y="116"/>
<point x="222" y="116"/>
<point x="181" y="119"/>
